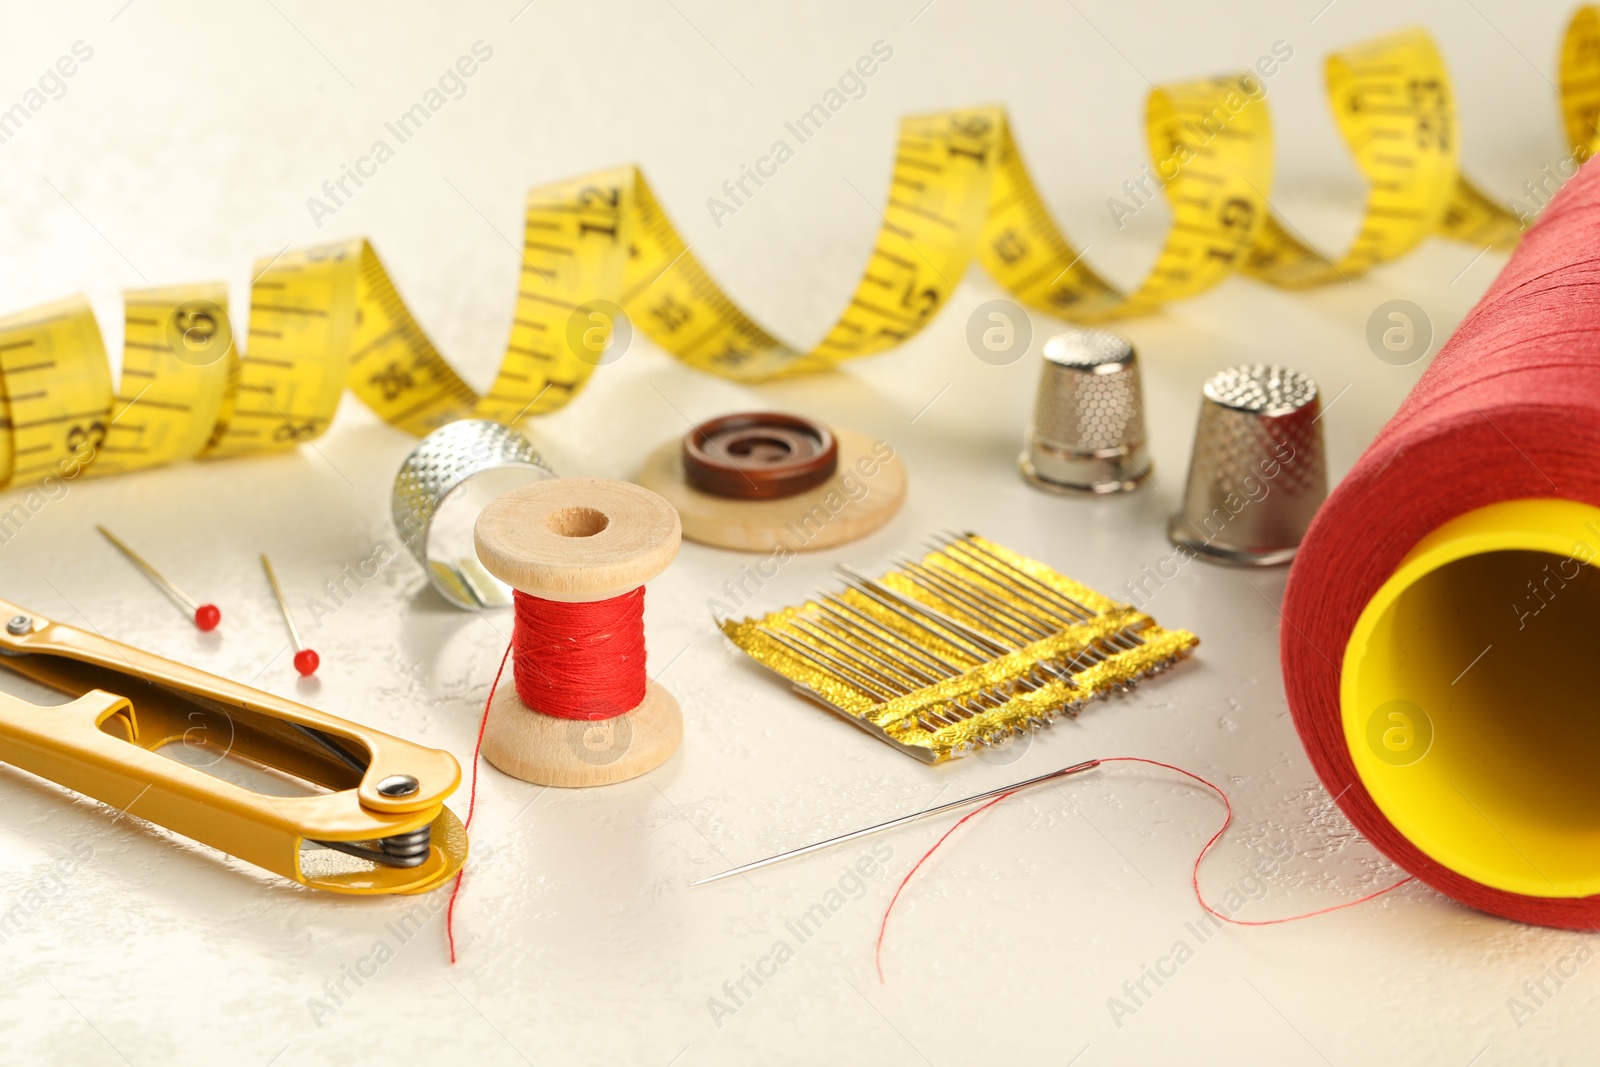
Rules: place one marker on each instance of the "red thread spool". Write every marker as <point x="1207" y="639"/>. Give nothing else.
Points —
<point x="577" y="552"/>
<point x="579" y="661"/>
<point x="1501" y="810"/>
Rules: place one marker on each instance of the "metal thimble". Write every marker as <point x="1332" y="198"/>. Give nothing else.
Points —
<point x="1258" y="473"/>
<point x="1087" y="433"/>
<point x="440" y="488"/>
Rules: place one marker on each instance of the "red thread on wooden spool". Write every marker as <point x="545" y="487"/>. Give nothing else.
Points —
<point x="579" y="661"/>
<point x="576" y="552"/>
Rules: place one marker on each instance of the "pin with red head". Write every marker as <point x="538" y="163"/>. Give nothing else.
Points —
<point x="306" y="661"/>
<point x="206" y="616"/>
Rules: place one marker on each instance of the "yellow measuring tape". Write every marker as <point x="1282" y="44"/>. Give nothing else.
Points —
<point x="326" y="319"/>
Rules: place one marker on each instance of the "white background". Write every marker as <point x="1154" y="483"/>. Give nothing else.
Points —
<point x="188" y="146"/>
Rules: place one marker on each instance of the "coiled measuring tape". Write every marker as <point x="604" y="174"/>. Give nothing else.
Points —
<point x="329" y="318"/>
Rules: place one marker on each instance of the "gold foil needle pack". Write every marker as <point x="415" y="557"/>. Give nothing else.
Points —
<point x="962" y="649"/>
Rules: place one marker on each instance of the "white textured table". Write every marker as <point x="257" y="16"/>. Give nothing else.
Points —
<point x="189" y="143"/>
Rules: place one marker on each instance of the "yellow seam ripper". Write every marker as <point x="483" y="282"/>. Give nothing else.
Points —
<point x="343" y="807"/>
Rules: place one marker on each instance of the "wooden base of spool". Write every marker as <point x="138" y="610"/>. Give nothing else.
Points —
<point x="834" y="513"/>
<point x="574" y="753"/>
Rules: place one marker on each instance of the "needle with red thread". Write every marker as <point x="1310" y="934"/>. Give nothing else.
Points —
<point x="206" y="616"/>
<point x="305" y="660"/>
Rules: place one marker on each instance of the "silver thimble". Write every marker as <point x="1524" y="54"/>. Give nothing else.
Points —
<point x="1087" y="434"/>
<point x="448" y="478"/>
<point x="1258" y="473"/>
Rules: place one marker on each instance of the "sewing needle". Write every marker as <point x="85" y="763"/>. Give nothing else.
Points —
<point x="901" y="821"/>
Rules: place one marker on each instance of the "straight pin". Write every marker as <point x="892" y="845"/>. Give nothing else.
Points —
<point x="305" y="660"/>
<point x="206" y="616"/>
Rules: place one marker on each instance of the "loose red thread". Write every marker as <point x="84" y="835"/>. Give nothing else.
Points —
<point x="1194" y="880"/>
<point x="472" y="801"/>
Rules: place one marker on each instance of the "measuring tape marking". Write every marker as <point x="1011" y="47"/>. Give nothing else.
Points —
<point x="599" y="250"/>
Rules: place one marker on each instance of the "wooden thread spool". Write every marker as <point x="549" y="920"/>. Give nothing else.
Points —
<point x="578" y="541"/>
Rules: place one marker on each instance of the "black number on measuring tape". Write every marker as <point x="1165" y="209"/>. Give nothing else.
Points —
<point x="732" y="355"/>
<point x="586" y="228"/>
<point x="1428" y="93"/>
<point x="1064" y="297"/>
<point x="196" y="324"/>
<point x="594" y="196"/>
<point x="288" y="431"/>
<point x="199" y="333"/>
<point x="1587" y="51"/>
<point x="671" y="314"/>
<point x="1432" y="101"/>
<point x="597" y="198"/>
<point x="86" y="435"/>
<point x="1261" y="258"/>
<point x="1432" y="133"/>
<point x="1236" y="213"/>
<point x="974" y="126"/>
<point x="923" y="301"/>
<point x="1009" y="246"/>
<point x="394" y="381"/>
<point x="971" y="125"/>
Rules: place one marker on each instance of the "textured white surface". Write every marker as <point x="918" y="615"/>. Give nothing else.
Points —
<point x="188" y="145"/>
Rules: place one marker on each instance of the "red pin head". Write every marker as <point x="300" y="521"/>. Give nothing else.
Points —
<point x="306" y="661"/>
<point x="206" y="616"/>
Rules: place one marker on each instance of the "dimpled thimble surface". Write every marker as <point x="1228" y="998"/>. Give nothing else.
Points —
<point x="1087" y="433"/>
<point x="1258" y="473"/>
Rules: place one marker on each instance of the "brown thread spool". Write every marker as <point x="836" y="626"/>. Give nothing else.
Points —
<point x="578" y="540"/>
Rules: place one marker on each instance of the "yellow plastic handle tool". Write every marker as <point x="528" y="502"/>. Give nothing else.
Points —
<point x="317" y="799"/>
